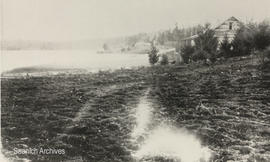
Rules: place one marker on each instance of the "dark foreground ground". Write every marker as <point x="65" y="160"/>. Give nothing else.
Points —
<point x="227" y="106"/>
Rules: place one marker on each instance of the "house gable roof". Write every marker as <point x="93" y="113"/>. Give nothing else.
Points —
<point x="232" y="19"/>
<point x="229" y="19"/>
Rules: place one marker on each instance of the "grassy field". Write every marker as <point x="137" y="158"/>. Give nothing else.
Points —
<point x="227" y="106"/>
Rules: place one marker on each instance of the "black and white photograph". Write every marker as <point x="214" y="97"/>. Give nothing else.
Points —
<point x="135" y="80"/>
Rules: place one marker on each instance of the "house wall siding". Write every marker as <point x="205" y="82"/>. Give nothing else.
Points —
<point x="220" y="32"/>
<point x="224" y="29"/>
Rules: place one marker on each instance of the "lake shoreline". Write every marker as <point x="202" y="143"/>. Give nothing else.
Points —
<point x="82" y="59"/>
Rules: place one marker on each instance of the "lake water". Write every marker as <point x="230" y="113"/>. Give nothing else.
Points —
<point x="85" y="59"/>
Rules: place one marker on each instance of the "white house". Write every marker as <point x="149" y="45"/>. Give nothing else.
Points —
<point x="228" y="27"/>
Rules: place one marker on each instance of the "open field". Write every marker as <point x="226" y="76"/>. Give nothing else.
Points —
<point x="227" y="106"/>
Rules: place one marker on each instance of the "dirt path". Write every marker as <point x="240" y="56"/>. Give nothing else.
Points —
<point x="101" y="92"/>
<point x="101" y="128"/>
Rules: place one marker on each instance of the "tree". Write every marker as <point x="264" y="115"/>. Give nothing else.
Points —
<point x="262" y="36"/>
<point x="105" y="47"/>
<point x="243" y="42"/>
<point x="225" y="49"/>
<point x="153" y="54"/>
<point x="132" y="40"/>
<point x="206" y="43"/>
<point x="161" y="38"/>
<point x="176" y="33"/>
<point x="164" y="60"/>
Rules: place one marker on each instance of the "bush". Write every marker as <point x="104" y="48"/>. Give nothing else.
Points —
<point x="264" y="58"/>
<point x="225" y="49"/>
<point x="187" y="52"/>
<point x="164" y="60"/>
<point x="267" y="53"/>
<point x="262" y="36"/>
<point x="200" y="55"/>
<point x="153" y="55"/>
<point x="251" y="37"/>
<point x="243" y="42"/>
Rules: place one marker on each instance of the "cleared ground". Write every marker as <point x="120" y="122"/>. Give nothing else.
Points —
<point x="227" y="106"/>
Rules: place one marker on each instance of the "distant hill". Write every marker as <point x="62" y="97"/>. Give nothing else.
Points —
<point x="167" y="38"/>
<point x="49" y="45"/>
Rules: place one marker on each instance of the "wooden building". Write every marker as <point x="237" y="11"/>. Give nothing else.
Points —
<point x="228" y="27"/>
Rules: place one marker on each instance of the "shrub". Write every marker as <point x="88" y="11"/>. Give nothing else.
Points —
<point x="212" y="56"/>
<point x="225" y="49"/>
<point x="262" y="36"/>
<point x="243" y="42"/>
<point x="164" y="60"/>
<point x="187" y="52"/>
<point x="153" y="55"/>
<point x="200" y="55"/>
<point x="264" y="58"/>
<point x="267" y="53"/>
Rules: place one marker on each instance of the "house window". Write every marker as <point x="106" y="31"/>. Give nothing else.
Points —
<point x="230" y="27"/>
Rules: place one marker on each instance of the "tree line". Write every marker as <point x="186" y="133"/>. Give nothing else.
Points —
<point x="250" y="38"/>
<point x="171" y="35"/>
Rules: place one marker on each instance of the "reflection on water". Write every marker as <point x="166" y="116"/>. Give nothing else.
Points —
<point x="70" y="59"/>
<point x="164" y="141"/>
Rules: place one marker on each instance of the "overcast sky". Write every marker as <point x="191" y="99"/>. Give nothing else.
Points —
<point x="57" y="20"/>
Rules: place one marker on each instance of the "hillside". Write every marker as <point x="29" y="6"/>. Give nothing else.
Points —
<point x="227" y="106"/>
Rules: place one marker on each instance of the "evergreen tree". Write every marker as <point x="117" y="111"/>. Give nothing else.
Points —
<point x="153" y="54"/>
<point x="206" y="43"/>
